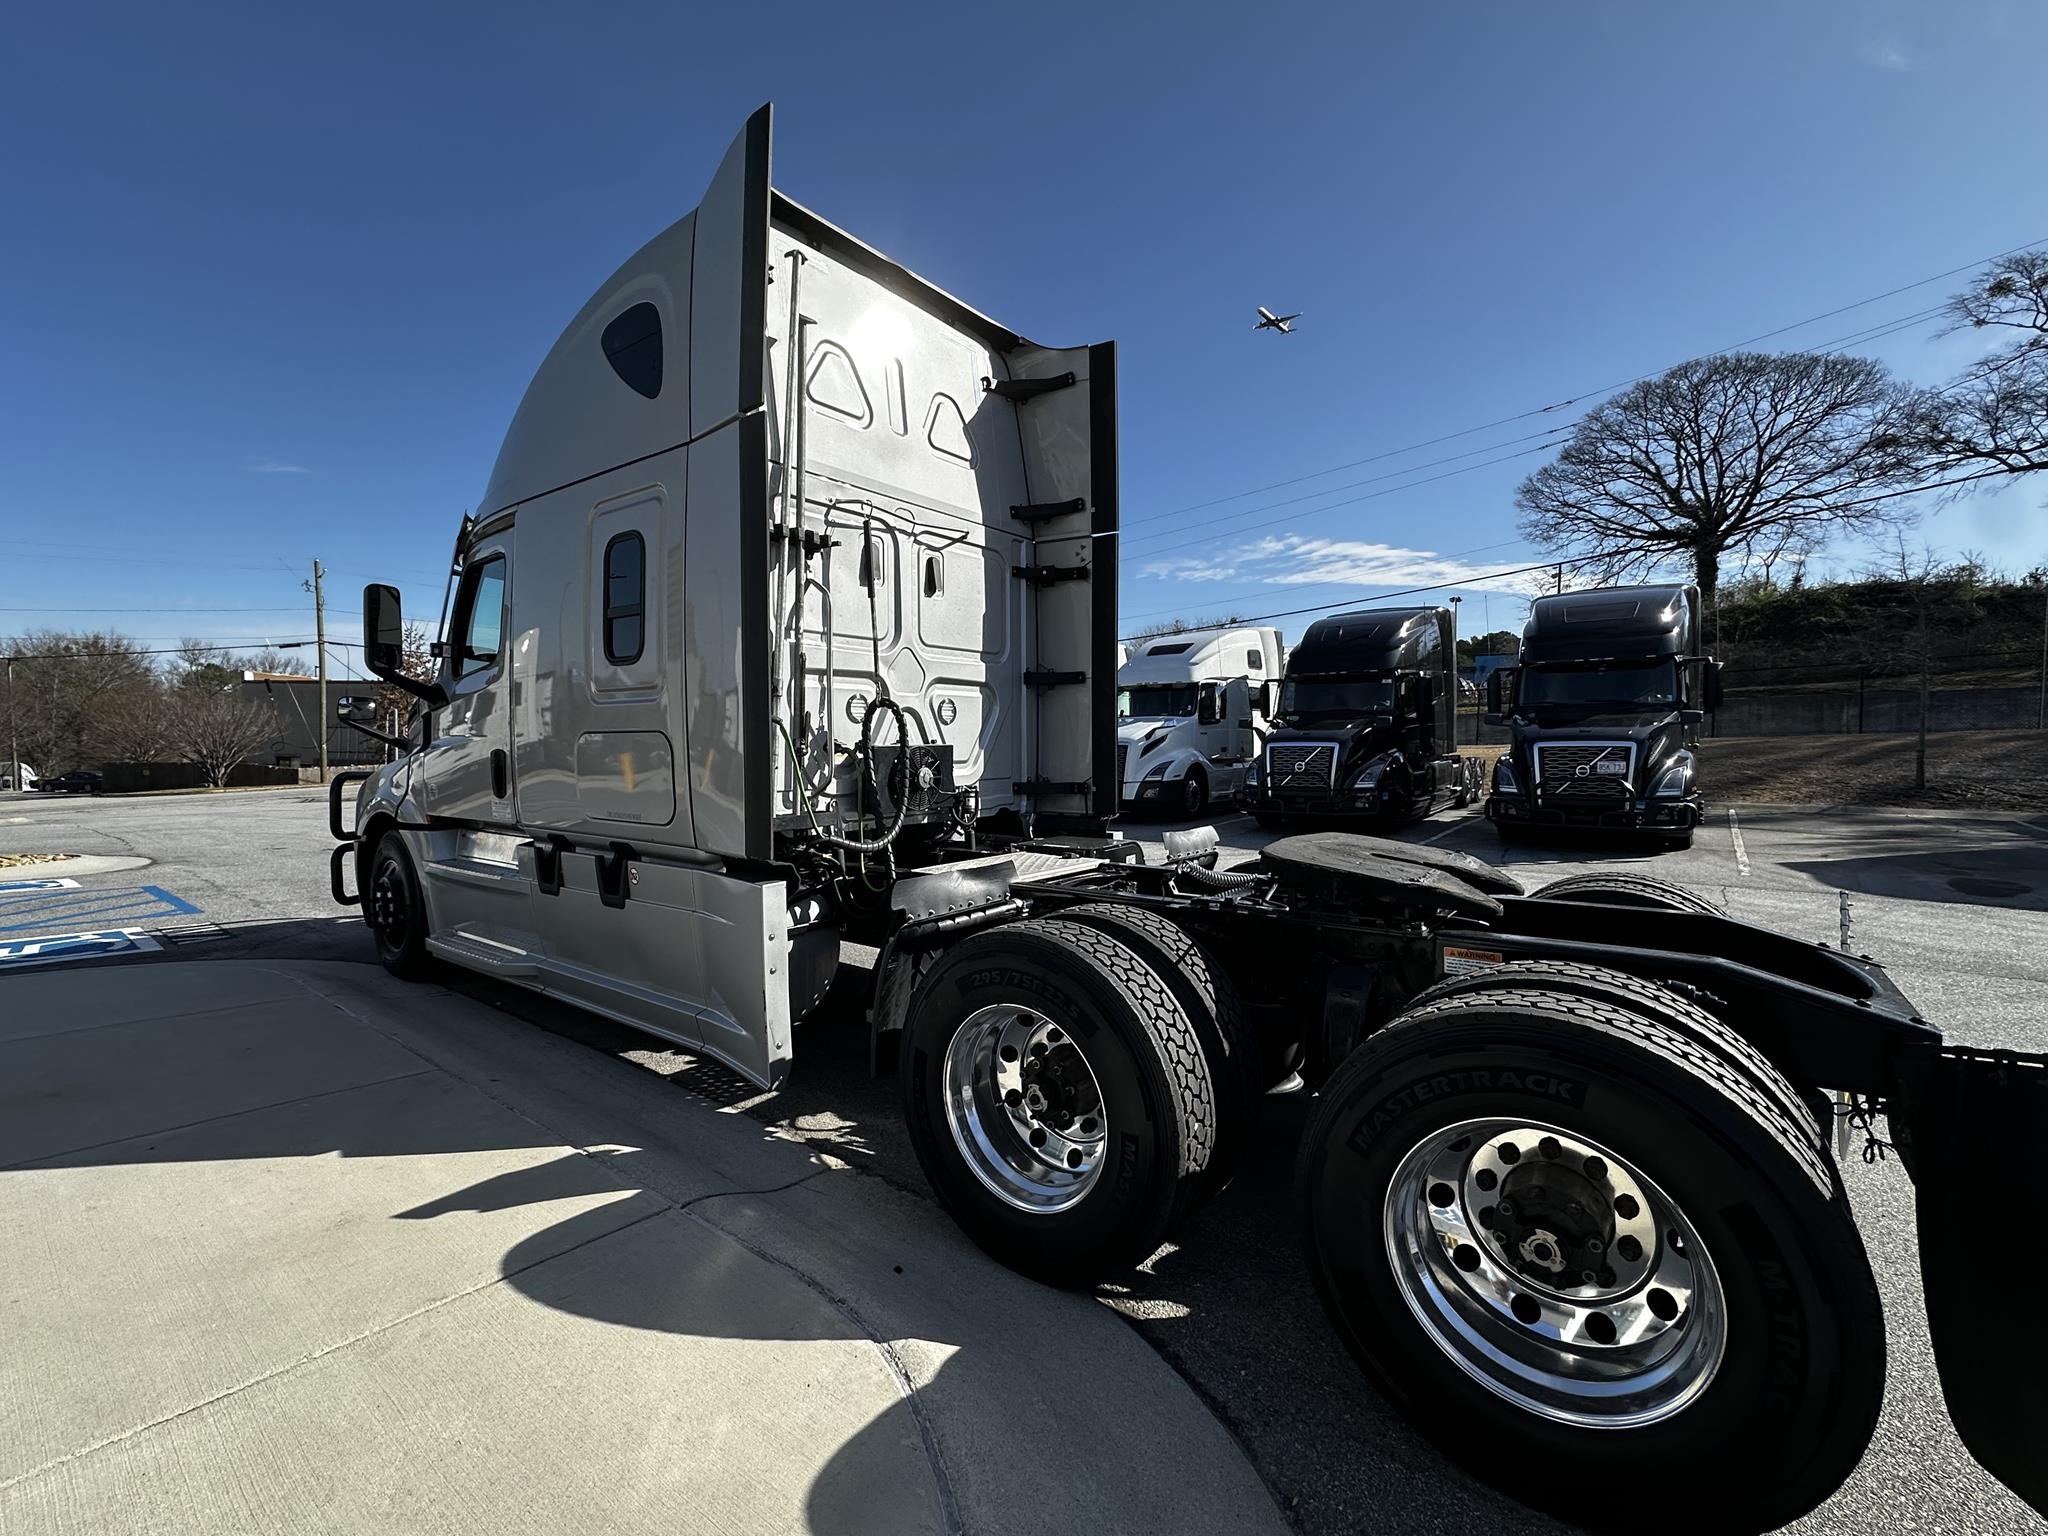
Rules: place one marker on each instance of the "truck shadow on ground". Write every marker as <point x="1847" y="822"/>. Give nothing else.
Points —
<point x="1232" y="1311"/>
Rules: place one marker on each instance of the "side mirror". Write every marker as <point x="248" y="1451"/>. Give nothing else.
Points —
<point x="1691" y="716"/>
<point x="384" y="644"/>
<point x="1713" y="690"/>
<point x="1270" y="694"/>
<point x="1494" y="691"/>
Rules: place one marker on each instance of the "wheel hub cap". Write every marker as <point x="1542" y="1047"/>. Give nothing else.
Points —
<point x="1024" y="1108"/>
<point x="1554" y="1273"/>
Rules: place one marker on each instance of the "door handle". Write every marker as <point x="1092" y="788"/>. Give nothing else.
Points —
<point x="501" y="774"/>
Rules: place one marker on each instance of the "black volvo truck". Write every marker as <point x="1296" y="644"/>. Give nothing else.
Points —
<point x="1603" y="714"/>
<point x="1362" y="730"/>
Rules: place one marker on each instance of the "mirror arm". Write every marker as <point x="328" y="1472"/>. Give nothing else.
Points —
<point x="375" y="735"/>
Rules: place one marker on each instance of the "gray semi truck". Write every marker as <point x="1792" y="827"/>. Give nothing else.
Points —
<point x="1603" y="710"/>
<point x="787" y="622"/>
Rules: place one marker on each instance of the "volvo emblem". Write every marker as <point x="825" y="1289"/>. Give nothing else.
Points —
<point x="1582" y="770"/>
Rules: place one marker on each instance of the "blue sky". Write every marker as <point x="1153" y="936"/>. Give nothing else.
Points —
<point x="274" y="278"/>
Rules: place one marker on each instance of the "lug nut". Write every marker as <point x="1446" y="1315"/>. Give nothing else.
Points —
<point x="1549" y="1147"/>
<point x="1509" y="1153"/>
<point x="1013" y="1098"/>
<point x="1596" y="1168"/>
<point x="1038" y="1047"/>
<point x="1629" y="1249"/>
<point x="1053" y="1035"/>
<point x="1626" y="1208"/>
<point x="1087" y="1125"/>
<point x="1486" y="1178"/>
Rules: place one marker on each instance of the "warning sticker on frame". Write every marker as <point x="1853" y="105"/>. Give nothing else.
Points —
<point x="1465" y="962"/>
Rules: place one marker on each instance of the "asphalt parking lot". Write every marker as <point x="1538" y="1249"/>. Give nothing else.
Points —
<point x="1955" y="902"/>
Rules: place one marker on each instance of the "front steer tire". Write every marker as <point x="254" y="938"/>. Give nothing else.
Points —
<point x="1148" y="1069"/>
<point x="1782" y="1418"/>
<point x="397" y="911"/>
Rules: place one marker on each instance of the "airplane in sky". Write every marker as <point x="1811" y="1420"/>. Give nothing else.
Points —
<point x="1268" y="321"/>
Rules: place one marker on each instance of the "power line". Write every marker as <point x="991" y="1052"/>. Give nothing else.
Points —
<point x="1572" y="400"/>
<point x="1577" y="560"/>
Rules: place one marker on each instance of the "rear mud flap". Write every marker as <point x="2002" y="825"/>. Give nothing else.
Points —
<point x="1975" y="1141"/>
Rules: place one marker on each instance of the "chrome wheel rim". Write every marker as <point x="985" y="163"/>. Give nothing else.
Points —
<point x="1589" y="1301"/>
<point x="1024" y="1108"/>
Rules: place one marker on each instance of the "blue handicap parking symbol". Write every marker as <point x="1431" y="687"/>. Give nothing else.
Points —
<point x="23" y="887"/>
<point x="50" y="947"/>
<point x="95" y="909"/>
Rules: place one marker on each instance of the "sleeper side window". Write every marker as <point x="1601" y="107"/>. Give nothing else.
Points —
<point x="481" y="618"/>
<point x="625" y="598"/>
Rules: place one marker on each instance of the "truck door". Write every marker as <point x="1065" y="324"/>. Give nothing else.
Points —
<point x="468" y="765"/>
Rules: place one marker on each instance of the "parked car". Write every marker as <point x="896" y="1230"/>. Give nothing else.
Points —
<point x="80" y="781"/>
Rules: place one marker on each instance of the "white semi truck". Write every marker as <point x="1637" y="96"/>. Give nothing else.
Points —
<point x="787" y="619"/>
<point x="1191" y="711"/>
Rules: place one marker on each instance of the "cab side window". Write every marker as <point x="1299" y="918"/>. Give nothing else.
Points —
<point x="625" y="598"/>
<point x="480" y="620"/>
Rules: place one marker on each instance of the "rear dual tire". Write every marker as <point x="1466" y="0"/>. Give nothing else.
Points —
<point x="1761" y="1409"/>
<point x="1065" y="1200"/>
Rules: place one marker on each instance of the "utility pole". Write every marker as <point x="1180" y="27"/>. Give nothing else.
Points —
<point x="320" y="634"/>
<point x="2040" y="709"/>
<point x="13" y="741"/>
<point x="1560" y="579"/>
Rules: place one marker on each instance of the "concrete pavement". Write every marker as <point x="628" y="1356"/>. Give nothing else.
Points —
<point x="297" y="1248"/>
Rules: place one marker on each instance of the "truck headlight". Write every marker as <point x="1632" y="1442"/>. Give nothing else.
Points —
<point x="1367" y="776"/>
<point x="1677" y="778"/>
<point x="1251" y="773"/>
<point x="1156" y="771"/>
<point x="1504" y="780"/>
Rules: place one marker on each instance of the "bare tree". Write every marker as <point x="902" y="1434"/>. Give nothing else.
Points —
<point x="271" y="659"/>
<point x="1180" y="626"/>
<point x="66" y="691"/>
<point x="1752" y="456"/>
<point x="216" y="728"/>
<point x="1941" y="597"/>
<point x="1994" y="416"/>
<point x="416" y="660"/>
<point x="135" y="724"/>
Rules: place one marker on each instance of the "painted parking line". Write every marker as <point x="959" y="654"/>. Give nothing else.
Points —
<point x="100" y="908"/>
<point x="24" y="887"/>
<point x="56" y="948"/>
<point x="1735" y="832"/>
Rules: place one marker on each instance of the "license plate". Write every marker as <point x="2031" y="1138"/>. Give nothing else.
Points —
<point x="1609" y="765"/>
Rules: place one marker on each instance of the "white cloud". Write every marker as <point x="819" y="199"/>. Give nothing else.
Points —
<point x="1294" y="561"/>
<point x="276" y="467"/>
<point x="1886" y="54"/>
